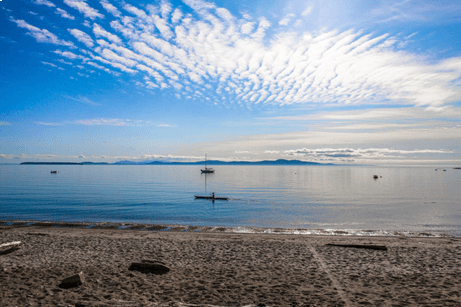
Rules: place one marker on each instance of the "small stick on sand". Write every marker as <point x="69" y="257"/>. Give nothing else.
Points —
<point x="6" y="248"/>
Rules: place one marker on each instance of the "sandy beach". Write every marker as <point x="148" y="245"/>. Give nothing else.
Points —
<point x="226" y="269"/>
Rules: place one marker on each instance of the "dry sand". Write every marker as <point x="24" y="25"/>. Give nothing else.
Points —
<point x="226" y="269"/>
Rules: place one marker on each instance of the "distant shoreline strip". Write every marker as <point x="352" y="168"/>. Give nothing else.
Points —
<point x="209" y="162"/>
<point x="51" y="163"/>
<point x="223" y="229"/>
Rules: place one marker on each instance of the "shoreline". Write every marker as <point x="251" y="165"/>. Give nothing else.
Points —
<point x="227" y="269"/>
<point x="228" y="229"/>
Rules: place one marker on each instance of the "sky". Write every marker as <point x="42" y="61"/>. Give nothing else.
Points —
<point x="347" y="82"/>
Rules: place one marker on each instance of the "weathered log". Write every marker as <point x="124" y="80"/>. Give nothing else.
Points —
<point x="7" y="248"/>
<point x="376" y="247"/>
<point x="153" y="261"/>
<point x="73" y="281"/>
<point x="149" y="266"/>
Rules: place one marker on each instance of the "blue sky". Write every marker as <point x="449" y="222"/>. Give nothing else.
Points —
<point x="357" y="82"/>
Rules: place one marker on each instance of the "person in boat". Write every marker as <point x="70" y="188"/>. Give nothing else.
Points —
<point x="212" y="195"/>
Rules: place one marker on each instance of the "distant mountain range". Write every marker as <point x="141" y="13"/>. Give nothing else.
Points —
<point x="209" y="162"/>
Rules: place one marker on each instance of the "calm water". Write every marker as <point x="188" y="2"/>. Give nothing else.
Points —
<point x="315" y="197"/>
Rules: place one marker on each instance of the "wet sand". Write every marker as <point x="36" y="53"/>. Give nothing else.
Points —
<point x="226" y="269"/>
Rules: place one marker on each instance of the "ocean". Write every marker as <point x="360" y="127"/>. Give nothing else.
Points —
<point x="298" y="199"/>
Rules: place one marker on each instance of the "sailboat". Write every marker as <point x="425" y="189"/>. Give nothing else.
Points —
<point x="207" y="170"/>
<point x="212" y="196"/>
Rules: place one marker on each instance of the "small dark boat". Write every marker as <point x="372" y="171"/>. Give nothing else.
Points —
<point x="54" y="172"/>
<point x="212" y="197"/>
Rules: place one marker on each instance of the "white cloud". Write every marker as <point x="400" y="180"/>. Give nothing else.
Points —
<point x="99" y="31"/>
<point x="110" y="8"/>
<point x="44" y="2"/>
<point x="241" y="59"/>
<point x="247" y="27"/>
<point x="407" y="138"/>
<point x="84" y="8"/>
<point x="69" y="55"/>
<point x="84" y="100"/>
<point x="112" y="56"/>
<point x="41" y="35"/>
<point x="165" y="9"/>
<point x="48" y="124"/>
<point x="177" y="15"/>
<point x="82" y="37"/>
<point x="286" y="19"/>
<point x="64" y="14"/>
<point x="112" y="122"/>
<point x="379" y="114"/>
<point x="307" y="11"/>
<point x="49" y="64"/>
<point x="373" y="155"/>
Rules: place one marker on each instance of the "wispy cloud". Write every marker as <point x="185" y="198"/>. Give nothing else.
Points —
<point x="112" y="122"/>
<point x="4" y="123"/>
<point x="368" y="153"/>
<point x="41" y="35"/>
<point x="82" y="37"/>
<point x="70" y="55"/>
<point x="99" y="31"/>
<point x="44" y="2"/>
<point x="84" y="100"/>
<point x="110" y="8"/>
<point x="250" y="62"/>
<point x="307" y="11"/>
<point x="48" y="124"/>
<point x="286" y="144"/>
<point x="286" y="19"/>
<point x="84" y="8"/>
<point x="378" y="114"/>
<point x="64" y="14"/>
<point x="49" y="64"/>
<point x="409" y="11"/>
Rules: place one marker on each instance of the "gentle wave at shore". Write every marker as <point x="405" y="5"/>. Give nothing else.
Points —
<point x="206" y="229"/>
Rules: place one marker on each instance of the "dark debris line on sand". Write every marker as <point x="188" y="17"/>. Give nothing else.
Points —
<point x="375" y="247"/>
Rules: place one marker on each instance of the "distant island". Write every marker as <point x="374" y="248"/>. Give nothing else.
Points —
<point x="209" y="162"/>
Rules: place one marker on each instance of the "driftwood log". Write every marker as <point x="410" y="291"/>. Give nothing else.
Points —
<point x="72" y="281"/>
<point x="376" y="247"/>
<point x="6" y="248"/>
<point x="150" y="266"/>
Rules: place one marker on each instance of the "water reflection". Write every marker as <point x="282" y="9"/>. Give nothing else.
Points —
<point x="260" y="196"/>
